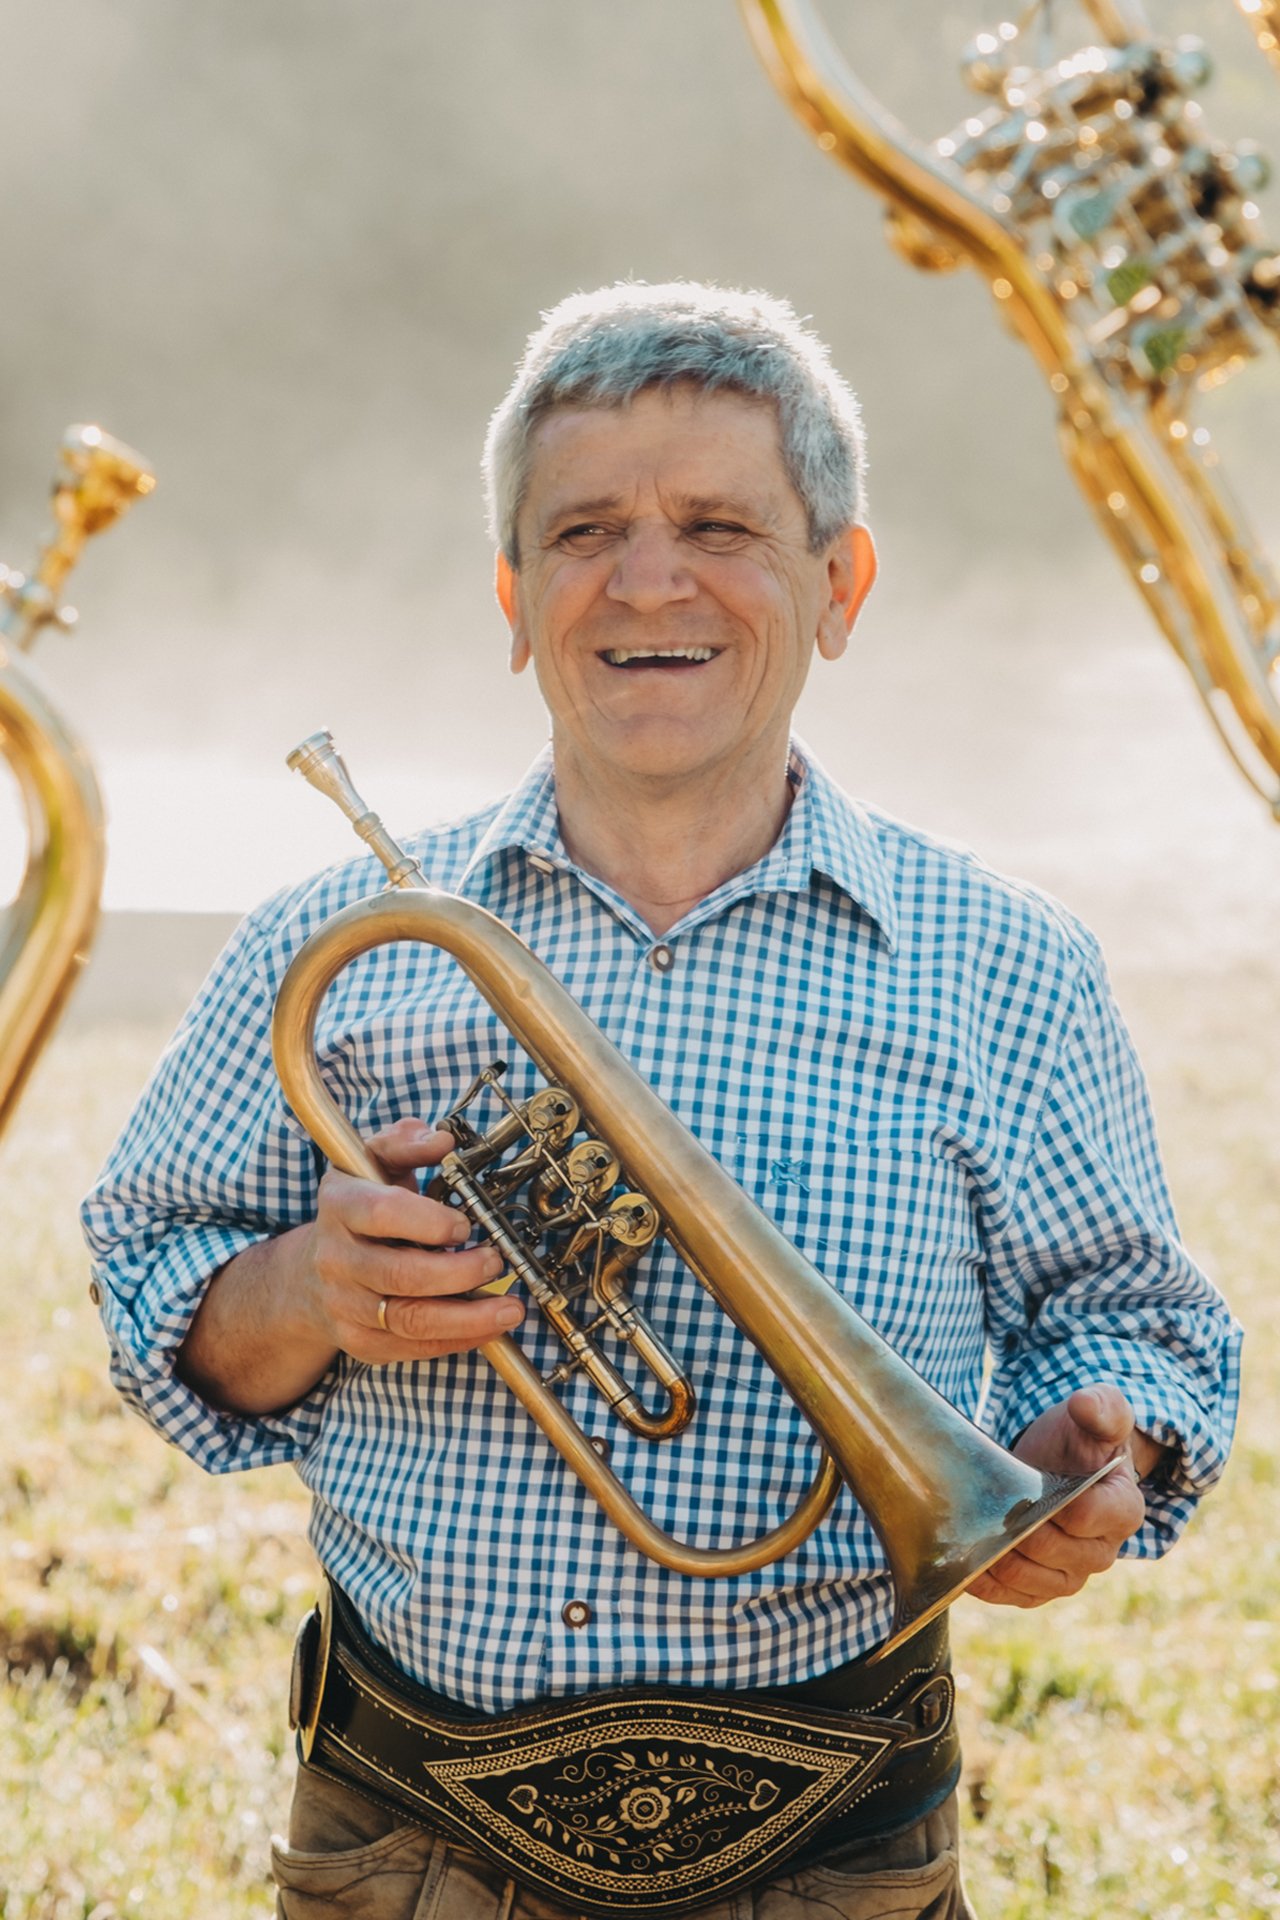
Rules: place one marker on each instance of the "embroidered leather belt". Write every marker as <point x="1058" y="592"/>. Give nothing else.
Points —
<point x="643" y="1801"/>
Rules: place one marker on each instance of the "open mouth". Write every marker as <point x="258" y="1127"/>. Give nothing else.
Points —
<point x="634" y="659"/>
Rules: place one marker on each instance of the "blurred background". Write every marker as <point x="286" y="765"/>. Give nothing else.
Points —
<point x="292" y="252"/>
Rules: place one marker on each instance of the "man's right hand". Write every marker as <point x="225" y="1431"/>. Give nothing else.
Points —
<point x="275" y="1319"/>
<point x="372" y="1244"/>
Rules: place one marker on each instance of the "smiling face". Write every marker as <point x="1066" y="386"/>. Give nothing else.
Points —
<point x="667" y="594"/>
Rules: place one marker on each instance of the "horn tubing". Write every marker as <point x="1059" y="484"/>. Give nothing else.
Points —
<point x="49" y="926"/>
<point x="51" y="922"/>
<point x="1124" y="455"/>
<point x="313" y="971"/>
<point x="847" y="120"/>
<point x="944" y="1499"/>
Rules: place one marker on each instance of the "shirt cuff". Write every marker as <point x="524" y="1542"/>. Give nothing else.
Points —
<point x="1196" y="1446"/>
<point x="146" y="1324"/>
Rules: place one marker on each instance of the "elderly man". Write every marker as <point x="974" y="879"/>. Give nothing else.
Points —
<point x="912" y="1065"/>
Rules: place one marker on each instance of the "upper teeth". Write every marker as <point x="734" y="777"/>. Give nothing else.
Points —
<point x="620" y="655"/>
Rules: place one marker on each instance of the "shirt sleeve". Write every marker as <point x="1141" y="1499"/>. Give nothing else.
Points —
<point x="1088" y="1282"/>
<point x="210" y="1162"/>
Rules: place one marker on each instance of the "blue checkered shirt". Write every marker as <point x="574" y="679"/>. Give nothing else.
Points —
<point x="913" y="1065"/>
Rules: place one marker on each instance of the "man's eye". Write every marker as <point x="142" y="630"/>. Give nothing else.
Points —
<point x="717" y="533"/>
<point x="584" y="537"/>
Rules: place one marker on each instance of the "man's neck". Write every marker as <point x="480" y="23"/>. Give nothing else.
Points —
<point x="664" y="846"/>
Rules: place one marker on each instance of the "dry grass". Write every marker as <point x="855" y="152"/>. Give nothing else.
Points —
<point x="145" y="1610"/>
<point x="1123" y="1747"/>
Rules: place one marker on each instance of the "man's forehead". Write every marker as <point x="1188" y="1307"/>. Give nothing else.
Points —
<point x="684" y="401"/>
<point x="711" y="444"/>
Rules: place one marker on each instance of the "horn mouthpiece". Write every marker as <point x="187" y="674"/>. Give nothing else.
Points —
<point x="321" y="765"/>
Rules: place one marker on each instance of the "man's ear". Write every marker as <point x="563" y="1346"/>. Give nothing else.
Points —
<point x="851" y="573"/>
<point x="506" y="583"/>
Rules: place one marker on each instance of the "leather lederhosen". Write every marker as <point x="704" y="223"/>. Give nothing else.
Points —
<point x="645" y="1800"/>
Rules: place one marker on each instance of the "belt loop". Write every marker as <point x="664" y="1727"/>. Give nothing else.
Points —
<point x="930" y="1708"/>
<point x="437" y="1862"/>
<point x="311" y="1667"/>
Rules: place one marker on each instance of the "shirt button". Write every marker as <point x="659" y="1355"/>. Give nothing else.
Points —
<point x="95" y="1293"/>
<point x="661" y="958"/>
<point x="598" y="1444"/>
<point x="575" y="1613"/>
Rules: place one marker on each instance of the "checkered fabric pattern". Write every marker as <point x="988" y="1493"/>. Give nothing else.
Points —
<point x="913" y="1065"/>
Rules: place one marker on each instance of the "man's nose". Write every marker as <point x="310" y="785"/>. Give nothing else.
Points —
<point x="650" y="571"/>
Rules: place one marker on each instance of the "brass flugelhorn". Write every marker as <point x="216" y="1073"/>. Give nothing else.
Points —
<point x="1121" y="243"/>
<point x="944" y="1499"/>
<point x="49" y="926"/>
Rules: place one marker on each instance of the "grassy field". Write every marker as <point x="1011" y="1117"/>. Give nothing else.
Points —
<point x="1123" y="1748"/>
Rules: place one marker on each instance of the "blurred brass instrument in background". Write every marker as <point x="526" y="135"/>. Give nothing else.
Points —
<point x="49" y="925"/>
<point x="945" y="1500"/>
<point x="1122" y="245"/>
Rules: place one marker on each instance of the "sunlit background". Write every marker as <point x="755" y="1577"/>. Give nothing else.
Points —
<point x="292" y="253"/>
<point x="291" y="250"/>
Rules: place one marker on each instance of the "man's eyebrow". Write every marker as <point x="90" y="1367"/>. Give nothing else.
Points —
<point x="690" y="506"/>
<point x="581" y="509"/>
<point x="715" y="506"/>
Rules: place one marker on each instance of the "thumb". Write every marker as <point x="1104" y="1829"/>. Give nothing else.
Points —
<point x="1103" y="1414"/>
<point x="408" y="1145"/>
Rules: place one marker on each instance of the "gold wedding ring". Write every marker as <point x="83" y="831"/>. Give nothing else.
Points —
<point x="382" y="1316"/>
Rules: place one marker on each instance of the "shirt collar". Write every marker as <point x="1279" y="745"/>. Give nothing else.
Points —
<point x="826" y="832"/>
<point x="527" y="820"/>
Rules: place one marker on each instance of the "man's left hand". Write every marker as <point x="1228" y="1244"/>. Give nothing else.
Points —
<point x="1076" y="1436"/>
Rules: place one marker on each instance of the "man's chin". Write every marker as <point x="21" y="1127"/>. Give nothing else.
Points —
<point x="655" y="752"/>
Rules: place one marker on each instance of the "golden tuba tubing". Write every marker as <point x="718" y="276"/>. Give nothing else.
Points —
<point x="944" y="1499"/>
<point x="1122" y="247"/>
<point x="49" y="925"/>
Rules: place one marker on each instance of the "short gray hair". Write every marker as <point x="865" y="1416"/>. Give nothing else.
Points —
<point x="601" y="349"/>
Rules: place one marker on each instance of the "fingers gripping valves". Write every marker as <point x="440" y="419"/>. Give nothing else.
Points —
<point x="565" y="1196"/>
